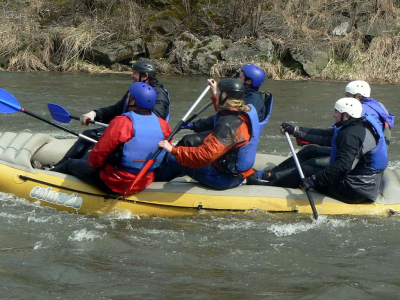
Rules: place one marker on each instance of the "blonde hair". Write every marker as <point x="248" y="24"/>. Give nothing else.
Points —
<point x="233" y="103"/>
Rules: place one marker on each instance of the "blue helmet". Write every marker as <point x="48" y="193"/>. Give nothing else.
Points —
<point x="144" y="95"/>
<point x="255" y="74"/>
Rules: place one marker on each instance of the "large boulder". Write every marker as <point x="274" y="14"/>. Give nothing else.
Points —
<point x="271" y="23"/>
<point x="377" y="27"/>
<point x="157" y="46"/>
<point x="196" y="56"/>
<point x="249" y="50"/>
<point x="115" y="51"/>
<point x="313" y="61"/>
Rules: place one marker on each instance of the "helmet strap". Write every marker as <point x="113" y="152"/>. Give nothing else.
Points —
<point x="222" y="101"/>
<point x="141" y="77"/>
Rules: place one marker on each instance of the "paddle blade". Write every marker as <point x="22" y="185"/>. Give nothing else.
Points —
<point x="8" y="103"/>
<point x="59" y="113"/>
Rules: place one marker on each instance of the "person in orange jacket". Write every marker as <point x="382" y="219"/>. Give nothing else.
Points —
<point x="126" y="144"/>
<point x="227" y="154"/>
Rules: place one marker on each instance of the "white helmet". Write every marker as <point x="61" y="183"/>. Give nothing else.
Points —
<point x="349" y="105"/>
<point x="359" y="87"/>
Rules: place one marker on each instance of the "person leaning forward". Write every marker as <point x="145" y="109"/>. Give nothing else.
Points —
<point x="126" y="144"/>
<point x="319" y="157"/>
<point x="358" y="156"/>
<point x="142" y="71"/>
<point x="227" y="153"/>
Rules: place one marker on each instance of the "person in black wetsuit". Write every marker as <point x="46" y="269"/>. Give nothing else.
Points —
<point x="142" y="71"/>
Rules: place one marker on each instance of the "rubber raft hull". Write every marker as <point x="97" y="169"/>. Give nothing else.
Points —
<point x="179" y="197"/>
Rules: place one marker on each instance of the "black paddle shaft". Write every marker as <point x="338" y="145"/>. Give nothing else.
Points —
<point x="48" y="122"/>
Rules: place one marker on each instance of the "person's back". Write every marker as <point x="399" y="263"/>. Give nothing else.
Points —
<point x="358" y="157"/>
<point x="227" y="153"/>
<point x="122" y="151"/>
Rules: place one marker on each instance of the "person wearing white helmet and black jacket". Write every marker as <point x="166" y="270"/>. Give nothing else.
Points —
<point x="319" y="157"/>
<point x="358" y="156"/>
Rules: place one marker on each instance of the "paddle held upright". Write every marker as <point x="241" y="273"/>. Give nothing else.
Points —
<point x="315" y="213"/>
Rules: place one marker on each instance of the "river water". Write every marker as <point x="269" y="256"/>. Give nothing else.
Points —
<point x="47" y="254"/>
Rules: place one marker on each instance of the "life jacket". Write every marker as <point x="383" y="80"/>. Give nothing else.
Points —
<point x="144" y="143"/>
<point x="241" y="159"/>
<point x="169" y="104"/>
<point x="373" y="161"/>
<point x="371" y="107"/>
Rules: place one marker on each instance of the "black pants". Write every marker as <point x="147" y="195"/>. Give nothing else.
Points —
<point x="82" y="146"/>
<point x="164" y="172"/>
<point x="81" y="169"/>
<point x="312" y="159"/>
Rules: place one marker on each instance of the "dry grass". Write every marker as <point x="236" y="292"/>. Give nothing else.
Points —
<point x="31" y="40"/>
<point x="380" y="62"/>
<point x="274" y="71"/>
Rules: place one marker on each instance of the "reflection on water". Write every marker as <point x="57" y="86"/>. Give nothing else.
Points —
<point x="46" y="254"/>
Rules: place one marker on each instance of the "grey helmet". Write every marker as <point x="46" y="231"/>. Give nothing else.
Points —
<point x="145" y="66"/>
<point x="234" y="88"/>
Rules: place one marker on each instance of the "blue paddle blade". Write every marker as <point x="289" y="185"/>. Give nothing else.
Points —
<point x="59" y="113"/>
<point x="8" y="103"/>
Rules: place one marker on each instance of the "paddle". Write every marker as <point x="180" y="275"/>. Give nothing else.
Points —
<point x="197" y="113"/>
<point x="60" y="114"/>
<point x="301" y="175"/>
<point x="176" y="129"/>
<point x="9" y="104"/>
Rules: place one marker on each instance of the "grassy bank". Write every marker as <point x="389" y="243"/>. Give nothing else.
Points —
<point x="50" y="35"/>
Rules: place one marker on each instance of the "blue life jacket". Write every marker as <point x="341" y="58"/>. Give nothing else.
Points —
<point x="371" y="107"/>
<point x="169" y="105"/>
<point x="372" y="161"/>
<point x="144" y="143"/>
<point x="246" y="155"/>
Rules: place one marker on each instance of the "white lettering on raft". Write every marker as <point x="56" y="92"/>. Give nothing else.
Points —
<point x="48" y="195"/>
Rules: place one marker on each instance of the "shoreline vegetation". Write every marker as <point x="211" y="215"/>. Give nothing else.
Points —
<point x="339" y="40"/>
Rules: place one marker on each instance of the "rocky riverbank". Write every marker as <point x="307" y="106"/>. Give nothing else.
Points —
<point x="291" y="39"/>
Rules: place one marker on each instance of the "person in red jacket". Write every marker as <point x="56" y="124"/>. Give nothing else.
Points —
<point x="128" y="142"/>
<point x="227" y="154"/>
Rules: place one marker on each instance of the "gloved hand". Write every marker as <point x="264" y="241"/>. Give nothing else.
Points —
<point x="288" y="128"/>
<point x="88" y="116"/>
<point x="187" y="126"/>
<point x="306" y="183"/>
